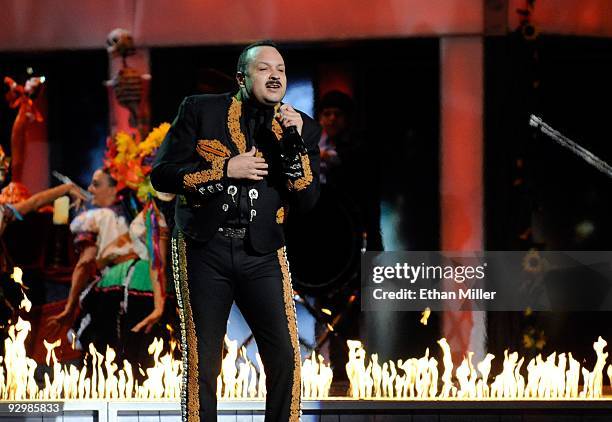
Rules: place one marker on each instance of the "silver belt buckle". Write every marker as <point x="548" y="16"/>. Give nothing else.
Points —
<point x="237" y="233"/>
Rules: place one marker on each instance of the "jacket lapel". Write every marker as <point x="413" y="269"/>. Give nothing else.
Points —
<point x="234" y="124"/>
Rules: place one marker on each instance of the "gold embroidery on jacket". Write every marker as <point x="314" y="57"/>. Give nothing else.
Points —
<point x="191" y="180"/>
<point x="276" y="127"/>
<point x="294" y="408"/>
<point x="233" y="124"/>
<point x="211" y="151"/>
<point x="304" y="181"/>
<point x="280" y="215"/>
<point x="212" y="146"/>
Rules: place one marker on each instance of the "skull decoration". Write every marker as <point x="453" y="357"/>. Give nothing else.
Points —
<point x="120" y="43"/>
<point x="128" y="83"/>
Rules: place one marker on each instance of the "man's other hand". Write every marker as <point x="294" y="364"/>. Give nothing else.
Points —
<point x="247" y="166"/>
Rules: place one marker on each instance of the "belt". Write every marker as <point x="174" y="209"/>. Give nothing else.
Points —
<point x="105" y="262"/>
<point x="235" y="232"/>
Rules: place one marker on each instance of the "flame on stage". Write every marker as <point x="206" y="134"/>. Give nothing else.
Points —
<point x="555" y="377"/>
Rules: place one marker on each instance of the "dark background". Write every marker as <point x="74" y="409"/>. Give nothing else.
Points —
<point x="77" y="123"/>
<point x="536" y="192"/>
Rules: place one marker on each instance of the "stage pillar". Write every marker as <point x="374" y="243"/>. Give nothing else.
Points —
<point x="461" y="174"/>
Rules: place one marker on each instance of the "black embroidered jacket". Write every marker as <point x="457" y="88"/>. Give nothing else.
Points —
<point x="192" y="162"/>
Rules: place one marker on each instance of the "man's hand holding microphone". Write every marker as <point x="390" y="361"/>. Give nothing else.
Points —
<point x="248" y="166"/>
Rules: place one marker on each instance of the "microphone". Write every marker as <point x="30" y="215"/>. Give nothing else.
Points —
<point x="291" y="147"/>
<point x="292" y="131"/>
<point x="65" y="179"/>
<point x="292" y="142"/>
<point x="294" y="139"/>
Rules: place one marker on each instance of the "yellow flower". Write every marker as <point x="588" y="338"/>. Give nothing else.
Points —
<point x="153" y="140"/>
<point x="130" y="159"/>
<point x="127" y="148"/>
<point x="145" y="189"/>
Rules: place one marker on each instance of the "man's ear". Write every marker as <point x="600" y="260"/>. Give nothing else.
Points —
<point x="240" y="79"/>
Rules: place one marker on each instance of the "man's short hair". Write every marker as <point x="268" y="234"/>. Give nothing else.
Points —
<point x="243" y="60"/>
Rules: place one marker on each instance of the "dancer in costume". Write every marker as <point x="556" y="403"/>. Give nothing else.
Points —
<point x="16" y="211"/>
<point x="125" y="259"/>
<point x="10" y="292"/>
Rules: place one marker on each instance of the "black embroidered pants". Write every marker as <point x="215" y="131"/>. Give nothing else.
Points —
<point x="209" y="277"/>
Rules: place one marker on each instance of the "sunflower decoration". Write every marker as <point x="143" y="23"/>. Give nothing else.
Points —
<point x="534" y="339"/>
<point x="533" y="262"/>
<point x="130" y="160"/>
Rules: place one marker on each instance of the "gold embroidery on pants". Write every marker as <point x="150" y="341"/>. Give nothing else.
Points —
<point x="294" y="410"/>
<point x="190" y="389"/>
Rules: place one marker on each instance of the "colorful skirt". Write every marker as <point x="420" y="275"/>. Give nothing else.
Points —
<point x="111" y="306"/>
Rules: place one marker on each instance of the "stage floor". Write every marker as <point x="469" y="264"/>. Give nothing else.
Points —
<point x="345" y="410"/>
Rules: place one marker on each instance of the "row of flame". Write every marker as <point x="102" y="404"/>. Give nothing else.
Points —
<point x="556" y="377"/>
